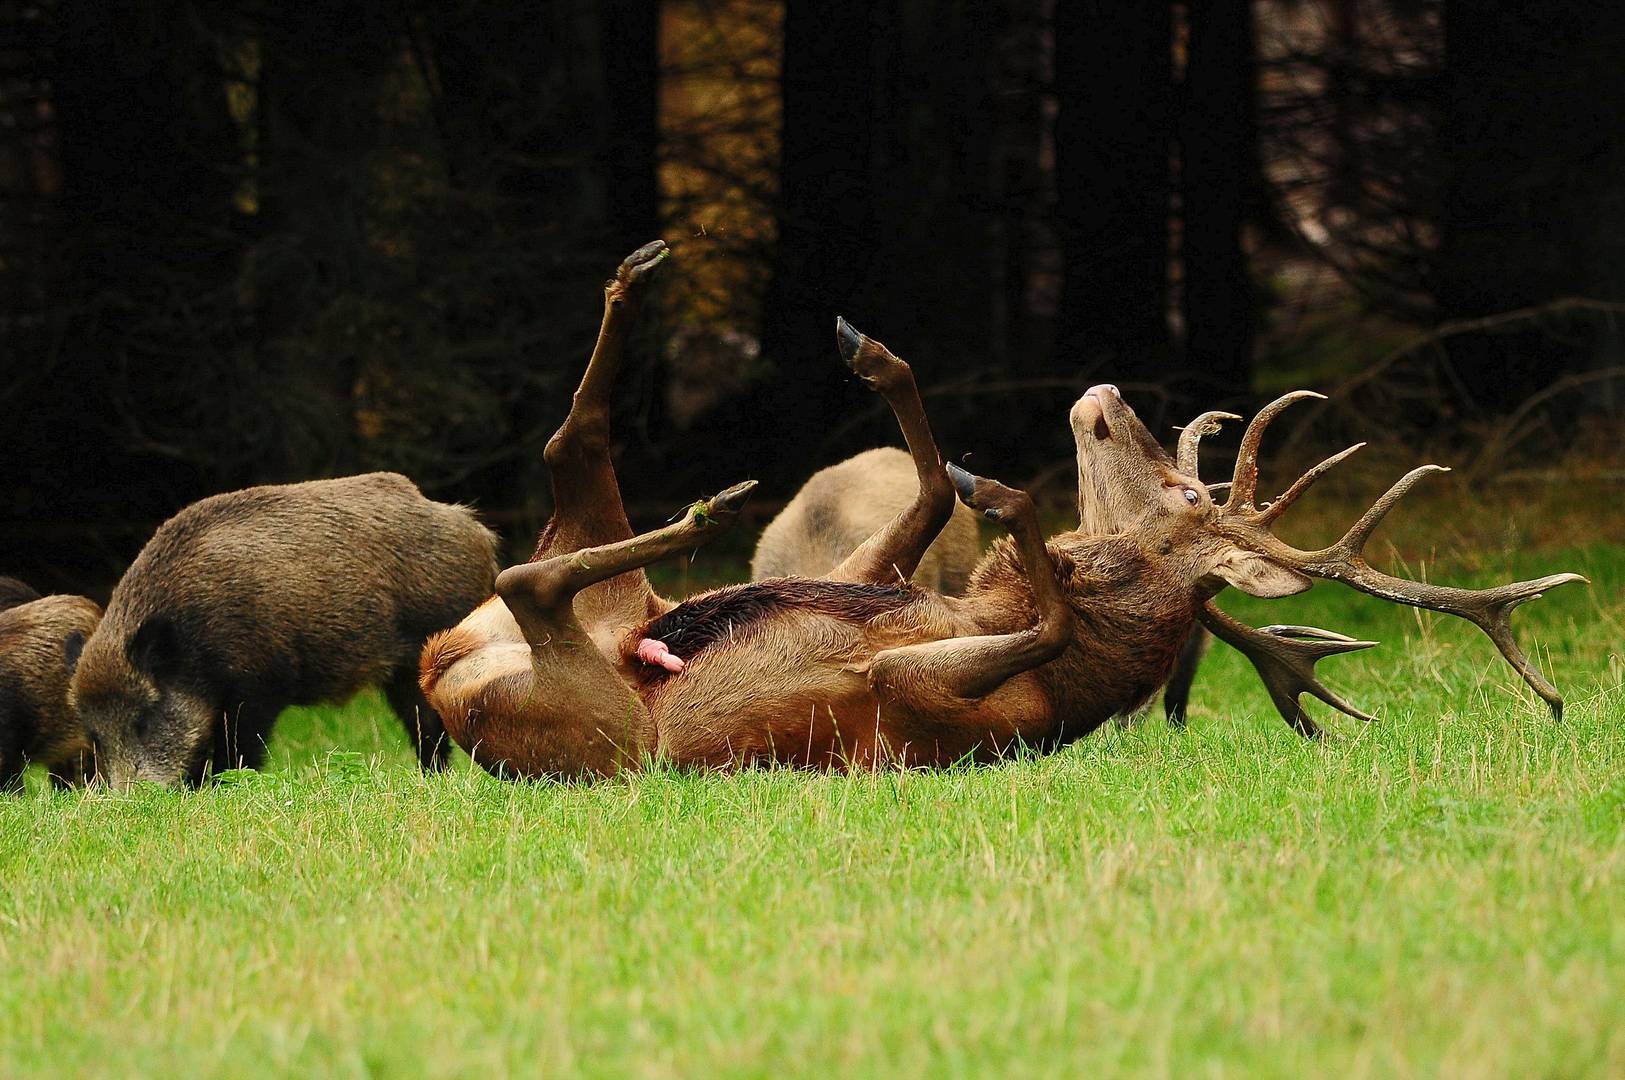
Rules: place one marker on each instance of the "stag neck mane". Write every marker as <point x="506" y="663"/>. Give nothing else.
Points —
<point x="1133" y="599"/>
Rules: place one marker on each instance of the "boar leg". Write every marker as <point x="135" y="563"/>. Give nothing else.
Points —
<point x="936" y="678"/>
<point x="894" y="552"/>
<point x="73" y="771"/>
<point x="239" y="742"/>
<point x="587" y="507"/>
<point x="577" y="714"/>
<point x="423" y="726"/>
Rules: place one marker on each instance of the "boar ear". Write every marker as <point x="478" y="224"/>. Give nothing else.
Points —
<point x="155" y="648"/>
<point x="72" y="646"/>
<point x="1255" y="575"/>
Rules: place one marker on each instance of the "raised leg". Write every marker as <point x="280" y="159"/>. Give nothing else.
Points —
<point x="540" y="593"/>
<point x="894" y="552"/>
<point x="587" y="507"/>
<point x="574" y="714"/>
<point x="422" y="723"/>
<point x="940" y="676"/>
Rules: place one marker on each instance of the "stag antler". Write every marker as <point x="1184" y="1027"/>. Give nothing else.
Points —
<point x="1190" y="439"/>
<point x="1285" y="657"/>
<point x="1488" y="609"/>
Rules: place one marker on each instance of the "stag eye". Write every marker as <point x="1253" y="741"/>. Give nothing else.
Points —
<point x="1191" y="497"/>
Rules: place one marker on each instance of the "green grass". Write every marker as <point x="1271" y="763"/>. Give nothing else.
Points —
<point x="1441" y="893"/>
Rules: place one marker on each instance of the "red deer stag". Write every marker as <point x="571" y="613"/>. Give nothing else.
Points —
<point x="592" y="673"/>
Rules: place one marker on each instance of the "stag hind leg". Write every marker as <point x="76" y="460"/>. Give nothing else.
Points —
<point x="587" y="507"/>
<point x="569" y="712"/>
<point x="894" y="552"/>
<point x="939" y="677"/>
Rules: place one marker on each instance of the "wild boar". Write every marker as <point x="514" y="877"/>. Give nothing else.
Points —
<point x="842" y="506"/>
<point x="248" y="602"/>
<point x="39" y="640"/>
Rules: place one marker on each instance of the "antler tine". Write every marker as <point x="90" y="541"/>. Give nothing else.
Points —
<point x="1352" y="544"/>
<point x="1488" y="609"/>
<point x="1190" y="439"/>
<point x="1285" y="658"/>
<point x="1244" y="484"/>
<point x="1304" y="483"/>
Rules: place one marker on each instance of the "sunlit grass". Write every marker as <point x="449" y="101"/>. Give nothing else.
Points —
<point x="1442" y="892"/>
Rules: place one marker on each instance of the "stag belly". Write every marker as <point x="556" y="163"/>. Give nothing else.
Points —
<point x="804" y="699"/>
<point x="788" y="691"/>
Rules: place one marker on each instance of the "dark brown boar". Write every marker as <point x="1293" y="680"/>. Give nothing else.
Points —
<point x="39" y="640"/>
<point x="248" y="602"/>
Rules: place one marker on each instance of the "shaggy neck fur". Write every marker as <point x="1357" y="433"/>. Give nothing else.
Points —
<point x="1133" y="610"/>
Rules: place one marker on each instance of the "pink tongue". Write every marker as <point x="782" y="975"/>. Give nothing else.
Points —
<point x="655" y="654"/>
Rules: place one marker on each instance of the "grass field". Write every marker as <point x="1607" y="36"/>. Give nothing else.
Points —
<point x="1441" y="893"/>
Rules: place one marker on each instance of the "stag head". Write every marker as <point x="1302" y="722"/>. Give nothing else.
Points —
<point x="1126" y="480"/>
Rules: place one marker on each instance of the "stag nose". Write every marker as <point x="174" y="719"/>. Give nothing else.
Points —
<point x="1102" y="390"/>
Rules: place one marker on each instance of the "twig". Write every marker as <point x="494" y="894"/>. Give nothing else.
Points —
<point x="1438" y="334"/>
<point x="1503" y="436"/>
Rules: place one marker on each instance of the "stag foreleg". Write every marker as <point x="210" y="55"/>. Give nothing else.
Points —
<point x="894" y="552"/>
<point x="575" y="714"/>
<point x="1176" y="695"/>
<point x="938" y="677"/>
<point x="541" y="593"/>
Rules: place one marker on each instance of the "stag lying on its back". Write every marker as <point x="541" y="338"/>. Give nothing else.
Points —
<point x="580" y="669"/>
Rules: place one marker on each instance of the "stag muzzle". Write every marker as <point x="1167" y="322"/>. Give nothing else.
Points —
<point x="1092" y="413"/>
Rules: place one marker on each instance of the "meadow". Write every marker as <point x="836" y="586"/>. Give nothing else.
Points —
<point x="1438" y="893"/>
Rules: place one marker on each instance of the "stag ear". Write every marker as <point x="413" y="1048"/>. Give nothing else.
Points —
<point x="155" y="648"/>
<point x="1255" y="575"/>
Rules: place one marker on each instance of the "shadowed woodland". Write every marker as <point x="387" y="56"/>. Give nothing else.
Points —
<point x="246" y="242"/>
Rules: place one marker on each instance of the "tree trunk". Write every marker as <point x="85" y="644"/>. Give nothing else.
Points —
<point x="829" y="217"/>
<point x="886" y="210"/>
<point x="549" y="117"/>
<point x="1113" y="141"/>
<point x="143" y="215"/>
<point x="1534" y="198"/>
<point x="630" y="52"/>
<point x="1218" y="176"/>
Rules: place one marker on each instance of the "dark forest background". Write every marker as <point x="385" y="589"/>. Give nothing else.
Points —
<point x="245" y="242"/>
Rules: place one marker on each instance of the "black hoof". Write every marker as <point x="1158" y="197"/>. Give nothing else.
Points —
<point x="730" y="501"/>
<point x="964" y="482"/>
<point x="847" y="340"/>
<point x="654" y="250"/>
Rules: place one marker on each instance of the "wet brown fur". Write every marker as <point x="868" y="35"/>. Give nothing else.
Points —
<point x="274" y="596"/>
<point x="37" y="724"/>
<point x="843" y="505"/>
